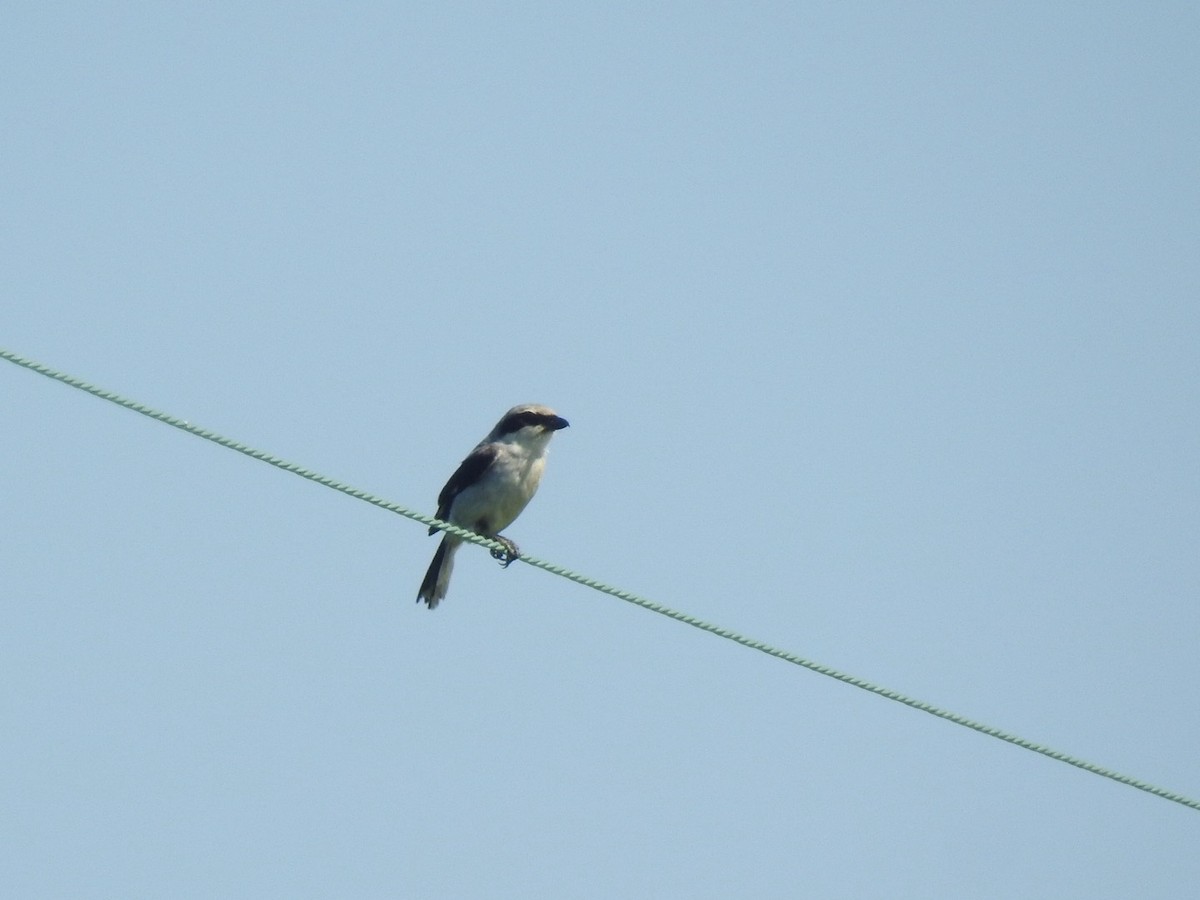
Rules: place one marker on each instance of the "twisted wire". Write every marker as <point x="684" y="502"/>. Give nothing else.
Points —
<point x="597" y="585"/>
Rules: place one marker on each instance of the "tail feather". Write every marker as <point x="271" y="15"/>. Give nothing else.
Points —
<point x="437" y="578"/>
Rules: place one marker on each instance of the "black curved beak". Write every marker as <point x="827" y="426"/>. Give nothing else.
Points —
<point x="558" y="423"/>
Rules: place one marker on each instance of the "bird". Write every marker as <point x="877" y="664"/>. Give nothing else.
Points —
<point x="490" y="488"/>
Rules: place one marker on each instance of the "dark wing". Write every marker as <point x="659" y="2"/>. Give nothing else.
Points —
<point x="466" y="475"/>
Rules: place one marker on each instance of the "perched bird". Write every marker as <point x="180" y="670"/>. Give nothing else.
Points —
<point x="491" y="487"/>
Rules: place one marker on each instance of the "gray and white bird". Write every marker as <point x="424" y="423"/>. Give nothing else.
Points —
<point x="491" y="487"/>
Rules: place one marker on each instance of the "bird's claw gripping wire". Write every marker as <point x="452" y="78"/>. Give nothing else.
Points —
<point x="509" y="554"/>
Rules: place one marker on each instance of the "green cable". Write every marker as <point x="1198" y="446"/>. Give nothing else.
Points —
<point x="231" y="444"/>
<point x="601" y="586"/>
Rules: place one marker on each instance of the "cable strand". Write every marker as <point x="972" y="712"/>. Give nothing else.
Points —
<point x="600" y="586"/>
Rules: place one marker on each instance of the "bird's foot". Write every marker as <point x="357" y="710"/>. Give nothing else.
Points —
<point x="509" y="554"/>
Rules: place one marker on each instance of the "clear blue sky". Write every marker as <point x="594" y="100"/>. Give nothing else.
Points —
<point x="877" y="326"/>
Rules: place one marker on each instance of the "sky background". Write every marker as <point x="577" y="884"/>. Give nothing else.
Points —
<point x="877" y="326"/>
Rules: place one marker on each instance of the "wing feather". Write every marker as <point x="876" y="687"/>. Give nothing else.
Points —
<point x="465" y="475"/>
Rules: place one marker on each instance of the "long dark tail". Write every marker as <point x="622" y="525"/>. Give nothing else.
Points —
<point x="437" y="578"/>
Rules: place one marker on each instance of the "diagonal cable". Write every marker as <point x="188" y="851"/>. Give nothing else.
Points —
<point x="261" y="456"/>
<point x="593" y="583"/>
